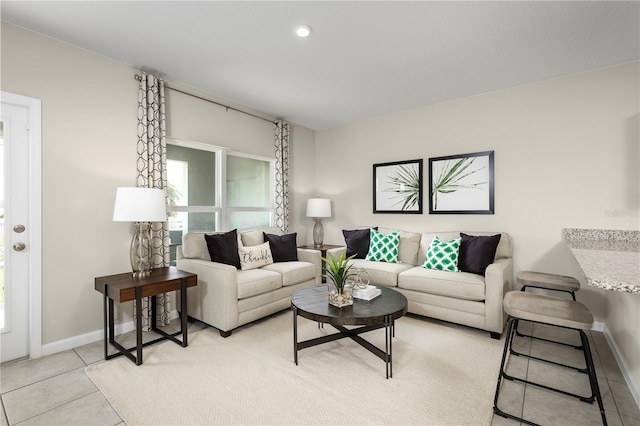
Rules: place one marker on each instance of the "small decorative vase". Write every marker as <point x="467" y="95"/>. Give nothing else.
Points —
<point x="340" y="298"/>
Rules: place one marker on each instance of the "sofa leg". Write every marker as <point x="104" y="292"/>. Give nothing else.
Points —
<point x="226" y="333"/>
<point x="495" y="335"/>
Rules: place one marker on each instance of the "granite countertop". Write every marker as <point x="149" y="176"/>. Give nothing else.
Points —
<point x="610" y="259"/>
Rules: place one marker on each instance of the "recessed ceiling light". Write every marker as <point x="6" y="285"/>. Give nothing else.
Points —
<point x="303" y="31"/>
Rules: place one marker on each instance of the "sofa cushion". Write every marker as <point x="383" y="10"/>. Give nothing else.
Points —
<point x="283" y="247"/>
<point x="383" y="247"/>
<point x="293" y="272"/>
<point x="357" y="242"/>
<point x="381" y="273"/>
<point x="461" y="285"/>
<point x="477" y="252"/>
<point x="443" y="255"/>
<point x="504" y="249"/>
<point x="194" y="246"/>
<point x="255" y="237"/>
<point x="425" y="242"/>
<point x="223" y="248"/>
<point x="408" y="246"/>
<point x="257" y="281"/>
<point x="255" y="256"/>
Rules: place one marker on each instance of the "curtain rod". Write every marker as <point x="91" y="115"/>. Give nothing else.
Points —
<point x="227" y="107"/>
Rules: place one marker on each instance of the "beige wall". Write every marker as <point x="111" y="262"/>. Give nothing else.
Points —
<point x="89" y="137"/>
<point x="88" y="149"/>
<point x="192" y="119"/>
<point x="566" y="155"/>
<point x="302" y="172"/>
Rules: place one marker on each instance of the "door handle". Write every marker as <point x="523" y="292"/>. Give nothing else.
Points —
<point x="19" y="246"/>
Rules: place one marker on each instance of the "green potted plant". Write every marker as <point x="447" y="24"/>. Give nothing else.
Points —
<point x="339" y="271"/>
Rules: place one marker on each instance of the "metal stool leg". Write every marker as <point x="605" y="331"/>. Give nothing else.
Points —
<point x="511" y="331"/>
<point x="593" y="379"/>
<point x="589" y="370"/>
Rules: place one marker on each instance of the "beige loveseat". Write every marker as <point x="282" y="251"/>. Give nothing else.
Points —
<point x="460" y="297"/>
<point x="227" y="297"/>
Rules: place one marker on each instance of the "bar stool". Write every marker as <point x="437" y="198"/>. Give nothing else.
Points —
<point x="563" y="313"/>
<point x="553" y="282"/>
<point x="546" y="281"/>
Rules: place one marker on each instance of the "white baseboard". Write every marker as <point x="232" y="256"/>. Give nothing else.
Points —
<point x="634" y="388"/>
<point x="84" y="339"/>
<point x="598" y="326"/>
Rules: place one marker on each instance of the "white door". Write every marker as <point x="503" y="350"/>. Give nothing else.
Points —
<point x="20" y="228"/>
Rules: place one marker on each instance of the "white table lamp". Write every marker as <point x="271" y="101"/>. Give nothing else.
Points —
<point x="142" y="206"/>
<point x="318" y="208"/>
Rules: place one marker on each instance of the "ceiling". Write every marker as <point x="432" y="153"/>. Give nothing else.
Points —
<point x="363" y="59"/>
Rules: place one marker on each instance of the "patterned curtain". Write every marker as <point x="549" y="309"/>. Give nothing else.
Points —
<point x="152" y="173"/>
<point x="282" y="175"/>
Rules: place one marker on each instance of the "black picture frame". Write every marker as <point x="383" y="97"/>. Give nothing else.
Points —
<point x="462" y="184"/>
<point x="397" y="187"/>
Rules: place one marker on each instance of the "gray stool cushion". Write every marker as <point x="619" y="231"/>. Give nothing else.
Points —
<point x="548" y="310"/>
<point x="550" y="281"/>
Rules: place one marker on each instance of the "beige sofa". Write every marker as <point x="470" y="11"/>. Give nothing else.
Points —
<point x="227" y="298"/>
<point x="459" y="297"/>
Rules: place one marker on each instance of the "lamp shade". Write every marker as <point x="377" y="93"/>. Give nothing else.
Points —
<point x="140" y="205"/>
<point x="318" y="207"/>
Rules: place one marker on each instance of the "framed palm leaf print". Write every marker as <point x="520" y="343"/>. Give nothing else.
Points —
<point x="461" y="184"/>
<point x="397" y="187"/>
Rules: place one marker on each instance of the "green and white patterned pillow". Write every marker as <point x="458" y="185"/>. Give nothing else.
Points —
<point x="443" y="255"/>
<point x="383" y="247"/>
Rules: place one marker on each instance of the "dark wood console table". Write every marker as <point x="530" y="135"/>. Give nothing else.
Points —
<point x="322" y="248"/>
<point x="124" y="287"/>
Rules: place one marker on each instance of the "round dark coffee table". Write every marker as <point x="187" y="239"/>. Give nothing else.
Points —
<point x="312" y="303"/>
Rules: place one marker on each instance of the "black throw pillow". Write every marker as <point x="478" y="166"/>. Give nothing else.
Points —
<point x="283" y="247"/>
<point x="223" y="248"/>
<point x="477" y="252"/>
<point x="357" y="241"/>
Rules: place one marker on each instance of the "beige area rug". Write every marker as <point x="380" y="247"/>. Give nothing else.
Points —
<point x="442" y="375"/>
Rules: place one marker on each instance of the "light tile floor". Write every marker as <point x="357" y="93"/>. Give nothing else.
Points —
<point x="54" y="390"/>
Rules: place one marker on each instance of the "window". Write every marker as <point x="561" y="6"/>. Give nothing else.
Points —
<point x="213" y="189"/>
<point x="248" y="184"/>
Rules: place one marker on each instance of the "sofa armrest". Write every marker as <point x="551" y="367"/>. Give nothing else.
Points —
<point x="497" y="280"/>
<point x="312" y="256"/>
<point x="215" y="299"/>
<point x="336" y="252"/>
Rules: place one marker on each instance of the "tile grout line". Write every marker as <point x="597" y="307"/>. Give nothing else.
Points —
<point x="55" y="408"/>
<point x="98" y="389"/>
<point x="524" y="391"/>
<point x="80" y="356"/>
<point x="46" y="378"/>
<point x="4" y="411"/>
<point x="604" y="373"/>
